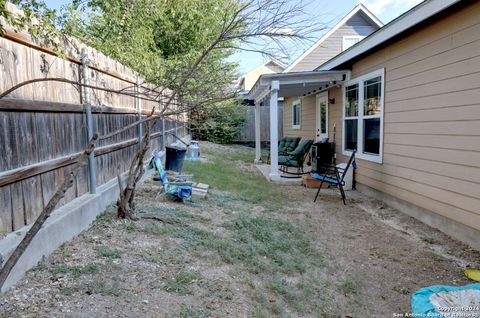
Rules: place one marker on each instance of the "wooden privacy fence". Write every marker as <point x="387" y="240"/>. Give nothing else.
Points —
<point x="43" y="126"/>
<point x="247" y="131"/>
<point x="39" y="147"/>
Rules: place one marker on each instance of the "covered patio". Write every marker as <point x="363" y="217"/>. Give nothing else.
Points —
<point x="270" y="87"/>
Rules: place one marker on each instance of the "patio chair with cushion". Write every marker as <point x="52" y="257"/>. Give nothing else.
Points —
<point x="332" y="176"/>
<point x="286" y="145"/>
<point x="296" y="158"/>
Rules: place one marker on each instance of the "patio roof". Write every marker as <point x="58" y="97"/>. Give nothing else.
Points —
<point x="297" y="83"/>
<point x="284" y="85"/>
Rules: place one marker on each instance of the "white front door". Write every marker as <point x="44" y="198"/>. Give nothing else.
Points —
<point x="321" y="116"/>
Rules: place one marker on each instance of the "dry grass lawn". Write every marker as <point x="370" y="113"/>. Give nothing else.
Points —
<point x="250" y="249"/>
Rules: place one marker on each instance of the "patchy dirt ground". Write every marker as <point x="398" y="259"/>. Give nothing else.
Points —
<point x="251" y="249"/>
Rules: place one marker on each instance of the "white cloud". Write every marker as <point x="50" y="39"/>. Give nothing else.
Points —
<point x="380" y="6"/>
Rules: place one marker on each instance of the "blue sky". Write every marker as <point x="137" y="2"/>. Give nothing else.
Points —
<point x="326" y="12"/>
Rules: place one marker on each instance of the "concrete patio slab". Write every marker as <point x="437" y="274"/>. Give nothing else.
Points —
<point x="284" y="177"/>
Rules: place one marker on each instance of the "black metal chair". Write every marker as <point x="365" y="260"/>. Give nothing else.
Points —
<point x="332" y="176"/>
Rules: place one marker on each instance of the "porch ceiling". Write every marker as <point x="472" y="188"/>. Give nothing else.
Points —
<point x="297" y="84"/>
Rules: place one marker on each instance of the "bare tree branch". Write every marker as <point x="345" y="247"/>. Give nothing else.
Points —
<point x="45" y="214"/>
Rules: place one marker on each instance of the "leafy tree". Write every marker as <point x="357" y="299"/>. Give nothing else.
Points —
<point x="161" y="39"/>
<point x="158" y="38"/>
<point x="37" y="19"/>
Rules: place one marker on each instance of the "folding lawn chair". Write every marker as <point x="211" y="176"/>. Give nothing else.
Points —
<point x="333" y="176"/>
<point x="181" y="189"/>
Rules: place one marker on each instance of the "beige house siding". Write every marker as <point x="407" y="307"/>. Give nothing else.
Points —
<point x="335" y="117"/>
<point x="308" y="127"/>
<point x="251" y="78"/>
<point x="431" y="155"/>
<point x="307" y="124"/>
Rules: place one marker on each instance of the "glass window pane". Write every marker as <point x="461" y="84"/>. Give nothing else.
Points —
<point x="351" y="101"/>
<point x="351" y="134"/>
<point x="374" y="80"/>
<point x="323" y="118"/>
<point x="296" y="115"/>
<point x="372" y="95"/>
<point x="371" y="135"/>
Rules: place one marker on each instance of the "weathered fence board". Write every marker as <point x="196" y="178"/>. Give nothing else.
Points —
<point x="32" y="198"/>
<point x="46" y="136"/>
<point x="18" y="215"/>
<point x="6" y="209"/>
<point x="81" y="181"/>
<point x="4" y="137"/>
<point x="40" y="148"/>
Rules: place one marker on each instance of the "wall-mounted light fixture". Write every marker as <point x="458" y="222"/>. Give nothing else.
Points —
<point x="331" y="100"/>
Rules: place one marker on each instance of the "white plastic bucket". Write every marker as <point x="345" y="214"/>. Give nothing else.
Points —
<point x="348" y="177"/>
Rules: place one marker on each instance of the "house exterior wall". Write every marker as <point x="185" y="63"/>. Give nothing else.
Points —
<point x="335" y="118"/>
<point x="308" y="118"/>
<point x="307" y="115"/>
<point x="431" y="155"/>
<point x="356" y="25"/>
<point x="252" y="77"/>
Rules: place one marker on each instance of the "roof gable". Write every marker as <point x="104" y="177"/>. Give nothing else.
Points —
<point x="358" y="17"/>
<point x="406" y="21"/>
<point x="271" y="66"/>
<point x="270" y="63"/>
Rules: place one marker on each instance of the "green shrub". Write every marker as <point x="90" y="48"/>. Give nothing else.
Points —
<point x="219" y="122"/>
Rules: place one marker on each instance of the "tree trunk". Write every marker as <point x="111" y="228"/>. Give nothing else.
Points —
<point x="126" y="204"/>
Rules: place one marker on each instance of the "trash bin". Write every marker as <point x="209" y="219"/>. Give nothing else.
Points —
<point x="322" y="155"/>
<point x="174" y="158"/>
<point x="348" y="177"/>
<point x="193" y="151"/>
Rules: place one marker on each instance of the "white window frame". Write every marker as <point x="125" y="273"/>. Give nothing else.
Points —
<point x="360" y="117"/>
<point x="299" y="103"/>
<point x="318" y="125"/>
<point x="350" y="37"/>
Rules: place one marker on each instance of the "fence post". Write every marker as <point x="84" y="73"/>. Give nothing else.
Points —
<point x="138" y="106"/>
<point x="164" y="137"/>
<point x="258" y="134"/>
<point x="92" y="173"/>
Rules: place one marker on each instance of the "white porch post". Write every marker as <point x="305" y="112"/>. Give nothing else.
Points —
<point x="275" y="86"/>
<point x="258" y="146"/>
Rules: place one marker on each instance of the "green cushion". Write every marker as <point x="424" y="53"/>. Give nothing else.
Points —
<point x="302" y="148"/>
<point x="287" y="144"/>
<point x="288" y="161"/>
<point x="282" y="159"/>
